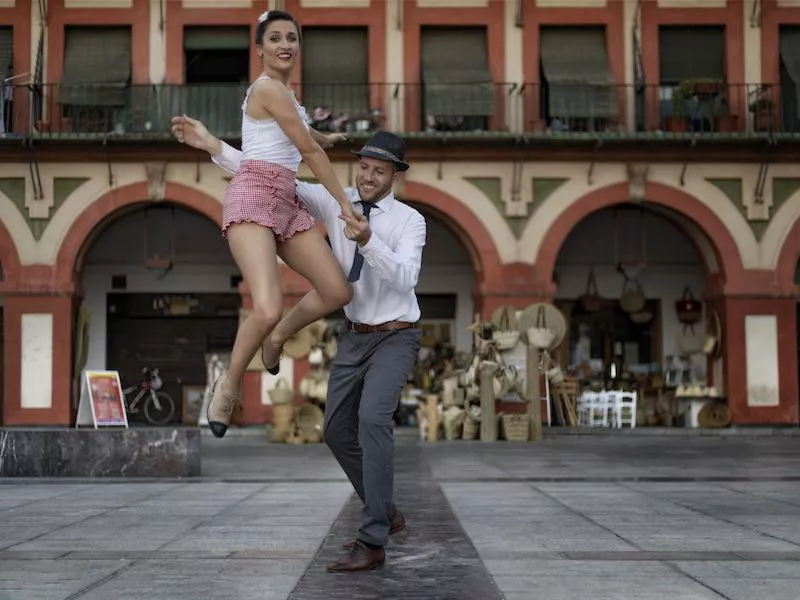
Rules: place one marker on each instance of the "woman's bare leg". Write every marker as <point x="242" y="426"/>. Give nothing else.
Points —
<point x="254" y="250"/>
<point x="309" y="255"/>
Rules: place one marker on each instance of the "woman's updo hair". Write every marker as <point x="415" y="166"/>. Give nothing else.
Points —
<point x="271" y="16"/>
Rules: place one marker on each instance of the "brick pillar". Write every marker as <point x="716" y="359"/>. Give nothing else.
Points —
<point x="516" y="284"/>
<point x="254" y="411"/>
<point x="745" y="405"/>
<point x="38" y="355"/>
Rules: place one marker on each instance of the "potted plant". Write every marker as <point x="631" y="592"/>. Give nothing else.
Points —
<point x="678" y="121"/>
<point x="763" y="109"/>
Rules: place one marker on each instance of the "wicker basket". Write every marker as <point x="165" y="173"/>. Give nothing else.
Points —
<point x="471" y="429"/>
<point x="282" y="417"/>
<point x="282" y="393"/>
<point x="515" y="427"/>
<point x="689" y="309"/>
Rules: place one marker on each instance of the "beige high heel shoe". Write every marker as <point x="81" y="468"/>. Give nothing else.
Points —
<point x="220" y="408"/>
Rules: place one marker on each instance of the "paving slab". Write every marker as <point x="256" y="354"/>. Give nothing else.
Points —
<point x="571" y="517"/>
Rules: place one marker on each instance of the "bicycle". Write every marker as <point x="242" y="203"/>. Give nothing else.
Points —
<point x="158" y="406"/>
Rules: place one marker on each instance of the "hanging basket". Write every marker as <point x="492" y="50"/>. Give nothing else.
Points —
<point x="506" y="331"/>
<point x="632" y="300"/>
<point x="689" y="309"/>
<point x="591" y="300"/>
<point x="539" y="335"/>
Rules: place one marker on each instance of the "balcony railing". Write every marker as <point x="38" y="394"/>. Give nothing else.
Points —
<point x="144" y="111"/>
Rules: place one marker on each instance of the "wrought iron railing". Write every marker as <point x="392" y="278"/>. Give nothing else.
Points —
<point x="539" y="109"/>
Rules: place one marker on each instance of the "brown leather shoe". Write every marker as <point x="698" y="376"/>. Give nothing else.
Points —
<point x="397" y="524"/>
<point x="220" y="409"/>
<point x="358" y="558"/>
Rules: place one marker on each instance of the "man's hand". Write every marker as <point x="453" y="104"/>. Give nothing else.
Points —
<point x="192" y="133"/>
<point x="327" y="140"/>
<point x="331" y="139"/>
<point x="356" y="228"/>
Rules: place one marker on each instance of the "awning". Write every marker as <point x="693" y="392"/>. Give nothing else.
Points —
<point x="6" y="52"/>
<point x="336" y="69"/>
<point x="455" y="73"/>
<point x="97" y="66"/>
<point x="575" y="65"/>
<point x="691" y="53"/>
<point x="790" y="55"/>
<point x="216" y="38"/>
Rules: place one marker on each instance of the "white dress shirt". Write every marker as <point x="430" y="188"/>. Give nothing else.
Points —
<point x="392" y="256"/>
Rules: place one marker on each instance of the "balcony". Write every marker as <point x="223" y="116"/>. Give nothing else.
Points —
<point x="507" y="110"/>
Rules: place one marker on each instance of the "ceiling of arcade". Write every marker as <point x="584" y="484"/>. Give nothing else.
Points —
<point x="513" y="204"/>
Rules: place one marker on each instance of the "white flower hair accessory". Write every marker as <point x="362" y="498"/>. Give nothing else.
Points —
<point x="263" y="16"/>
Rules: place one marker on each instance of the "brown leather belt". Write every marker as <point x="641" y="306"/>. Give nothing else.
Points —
<point x="390" y="326"/>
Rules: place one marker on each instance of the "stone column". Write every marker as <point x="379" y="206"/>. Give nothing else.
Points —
<point x="517" y="284"/>
<point x="38" y="350"/>
<point x="760" y="359"/>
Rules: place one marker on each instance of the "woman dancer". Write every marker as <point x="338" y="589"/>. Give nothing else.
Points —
<point x="262" y="214"/>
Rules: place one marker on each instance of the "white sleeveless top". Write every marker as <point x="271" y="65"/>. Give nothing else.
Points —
<point x="265" y="140"/>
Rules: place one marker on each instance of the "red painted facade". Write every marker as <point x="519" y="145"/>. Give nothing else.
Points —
<point x="734" y="291"/>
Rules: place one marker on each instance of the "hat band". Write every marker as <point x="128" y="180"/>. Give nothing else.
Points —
<point x="382" y="152"/>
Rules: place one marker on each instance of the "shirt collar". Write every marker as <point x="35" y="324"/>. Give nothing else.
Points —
<point x="385" y="204"/>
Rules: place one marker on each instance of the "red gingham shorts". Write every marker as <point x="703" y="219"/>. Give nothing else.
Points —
<point x="265" y="193"/>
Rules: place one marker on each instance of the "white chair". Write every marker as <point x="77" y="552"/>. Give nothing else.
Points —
<point x="594" y="409"/>
<point x="620" y="404"/>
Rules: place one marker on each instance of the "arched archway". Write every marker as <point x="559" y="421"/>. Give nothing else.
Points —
<point x="720" y="239"/>
<point x="89" y="223"/>
<point x="787" y="266"/>
<point x="9" y="257"/>
<point x="467" y="227"/>
<point x="460" y="254"/>
<point x="682" y="244"/>
<point x="140" y="316"/>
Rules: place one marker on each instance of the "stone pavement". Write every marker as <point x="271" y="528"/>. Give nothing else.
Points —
<point x="572" y="517"/>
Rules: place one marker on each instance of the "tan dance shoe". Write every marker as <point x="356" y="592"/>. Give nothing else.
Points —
<point x="220" y="408"/>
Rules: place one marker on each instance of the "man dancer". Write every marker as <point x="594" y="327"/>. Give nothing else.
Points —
<point x="379" y="346"/>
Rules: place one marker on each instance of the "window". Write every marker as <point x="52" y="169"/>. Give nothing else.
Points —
<point x="335" y="76"/>
<point x="686" y="53"/>
<point x="97" y="66"/>
<point x="217" y="54"/>
<point x="457" y="89"/>
<point x="763" y="107"/>
<point x="692" y="74"/>
<point x="578" y="91"/>
<point x="6" y="72"/>
<point x="94" y="88"/>
<point x="217" y="73"/>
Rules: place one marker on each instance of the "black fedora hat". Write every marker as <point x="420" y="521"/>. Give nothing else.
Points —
<point x="385" y="146"/>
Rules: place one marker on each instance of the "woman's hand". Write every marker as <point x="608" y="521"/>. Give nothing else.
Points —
<point x="193" y="133"/>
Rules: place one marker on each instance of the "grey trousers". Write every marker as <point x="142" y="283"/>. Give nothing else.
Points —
<point x="366" y="380"/>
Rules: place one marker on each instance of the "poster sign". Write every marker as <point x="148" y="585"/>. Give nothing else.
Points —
<point x="102" y="403"/>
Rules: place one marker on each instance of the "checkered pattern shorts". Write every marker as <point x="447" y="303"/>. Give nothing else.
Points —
<point x="265" y="193"/>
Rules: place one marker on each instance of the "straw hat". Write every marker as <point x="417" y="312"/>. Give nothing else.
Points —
<point x="300" y="344"/>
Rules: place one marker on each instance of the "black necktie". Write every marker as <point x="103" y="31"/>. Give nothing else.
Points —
<point x="358" y="259"/>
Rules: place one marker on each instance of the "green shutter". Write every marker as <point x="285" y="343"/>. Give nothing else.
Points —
<point x="577" y="73"/>
<point x="6" y="52"/>
<point x="216" y="38"/>
<point x="455" y="72"/>
<point x="691" y="53"/>
<point x="97" y="66"/>
<point x="335" y="69"/>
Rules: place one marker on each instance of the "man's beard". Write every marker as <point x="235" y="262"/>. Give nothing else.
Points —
<point x="375" y="195"/>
